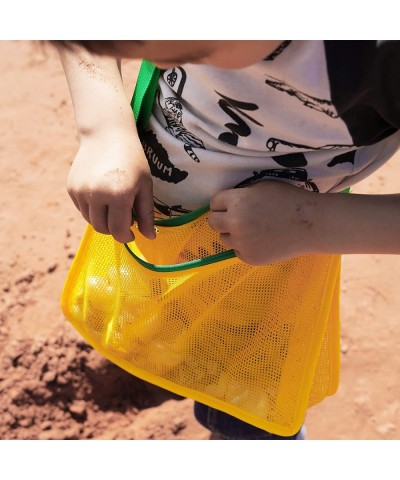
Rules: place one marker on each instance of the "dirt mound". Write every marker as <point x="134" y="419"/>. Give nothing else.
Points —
<point x="60" y="388"/>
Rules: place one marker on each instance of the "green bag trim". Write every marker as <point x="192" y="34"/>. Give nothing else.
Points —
<point x="145" y="92"/>
<point x="182" y="219"/>
<point x="200" y="262"/>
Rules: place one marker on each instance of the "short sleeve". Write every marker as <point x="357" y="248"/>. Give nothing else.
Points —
<point x="364" y="80"/>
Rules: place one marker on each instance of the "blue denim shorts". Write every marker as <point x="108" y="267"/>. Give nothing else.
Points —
<point x="230" y="428"/>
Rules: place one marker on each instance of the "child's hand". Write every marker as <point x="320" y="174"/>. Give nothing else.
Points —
<point x="267" y="222"/>
<point x="110" y="176"/>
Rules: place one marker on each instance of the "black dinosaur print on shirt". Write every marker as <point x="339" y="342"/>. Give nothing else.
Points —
<point x="240" y="128"/>
<point x="159" y="162"/>
<point x="278" y="51"/>
<point x="168" y="210"/>
<point x="347" y="157"/>
<point x="291" y="160"/>
<point x="177" y="75"/>
<point x="173" y="113"/>
<point x="319" y="104"/>
<point x="275" y="144"/>
<point x="297" y="176"/>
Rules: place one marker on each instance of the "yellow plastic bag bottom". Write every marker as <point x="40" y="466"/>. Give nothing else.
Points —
<point x="259" y="343"/>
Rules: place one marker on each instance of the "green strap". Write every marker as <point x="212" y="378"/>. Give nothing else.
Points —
<point x="145" y="92"/>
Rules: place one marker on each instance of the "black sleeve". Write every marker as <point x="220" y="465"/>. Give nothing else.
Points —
<point x="365" y="86"/>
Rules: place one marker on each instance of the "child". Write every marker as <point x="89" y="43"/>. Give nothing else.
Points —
<point x="311" y="114"/>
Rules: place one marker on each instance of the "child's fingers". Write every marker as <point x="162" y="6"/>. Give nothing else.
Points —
<point x="227" y="240"/>
<point x="119" y="221"/>
<point x="217" y="222"/>
<point x="144" y="211"/>
<point x="83" y="207"/>
<point x="218" y="202"/>
<point x="74" y="200"/>
<point x="98" y="215"/>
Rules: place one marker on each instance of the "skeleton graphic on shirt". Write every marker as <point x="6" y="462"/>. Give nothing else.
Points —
<point x="173" y="113"/>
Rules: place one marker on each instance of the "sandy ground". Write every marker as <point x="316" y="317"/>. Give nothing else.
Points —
<point x="52" y="385"/>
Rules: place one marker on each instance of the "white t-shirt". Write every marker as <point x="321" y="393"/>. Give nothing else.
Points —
<point x="298" y="116"/>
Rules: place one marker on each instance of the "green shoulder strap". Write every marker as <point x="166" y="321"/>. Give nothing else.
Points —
<point x="145" y="92"/>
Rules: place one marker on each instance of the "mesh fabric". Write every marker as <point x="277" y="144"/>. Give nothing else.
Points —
<point x="260" y="343"/>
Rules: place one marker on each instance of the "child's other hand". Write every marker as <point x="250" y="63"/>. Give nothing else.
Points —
<point x="266" y="222"/>
<point x="110" y="176"/>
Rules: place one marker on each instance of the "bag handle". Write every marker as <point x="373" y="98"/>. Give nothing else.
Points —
<point x="145" y="92"/>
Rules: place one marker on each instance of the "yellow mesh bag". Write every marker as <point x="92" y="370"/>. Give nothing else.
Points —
<point x="259" y="343"/>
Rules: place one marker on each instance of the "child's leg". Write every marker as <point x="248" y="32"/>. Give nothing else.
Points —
<point x="226" y="427"/>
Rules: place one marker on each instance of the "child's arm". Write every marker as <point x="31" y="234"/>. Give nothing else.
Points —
<point x="110" y="174"/>
<point x="273" y="221"/>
